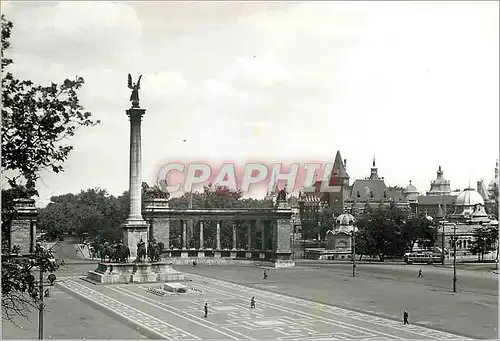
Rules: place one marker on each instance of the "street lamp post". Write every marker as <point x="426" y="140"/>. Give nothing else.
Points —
<point x="353" y="252"/>
<point x="41" y="306"/>
<point x="454" y="257"/>
<point x="353" y="246"/>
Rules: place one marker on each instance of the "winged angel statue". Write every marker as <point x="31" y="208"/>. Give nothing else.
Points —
<point x="134" y="96"/>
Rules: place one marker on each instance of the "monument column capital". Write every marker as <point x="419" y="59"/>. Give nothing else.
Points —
<point x="135" y="113"/>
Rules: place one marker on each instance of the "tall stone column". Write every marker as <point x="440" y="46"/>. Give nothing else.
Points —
<point x="218" y="235"/>
<point x="249" y="235"/>
<point x="184" y="234"/>
<point x="135" y="227"/>
<point x="234" y="236"/>
<point x="202" y="242"/>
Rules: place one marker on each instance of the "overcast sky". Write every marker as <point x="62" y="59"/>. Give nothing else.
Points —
<point x="415" y="84"/>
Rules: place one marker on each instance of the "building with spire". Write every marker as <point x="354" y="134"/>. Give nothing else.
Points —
<point x="440" y="186"/>
<point x="440" y="193"/>
<point x="373" y="192"/>
<point x="335" y="199"/>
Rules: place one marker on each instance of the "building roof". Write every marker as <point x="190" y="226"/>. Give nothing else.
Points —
<point x="469" y="197"/>
<point x="440" y="212"/>
<point x="410" y="189"/>
<point x="479" y="215"/>
<point x="338" y="170"/>
<point x="396" y="195"/>
<point x="434" y="200"/>
<point x="365" y="187"/>
<point x="440" y="185"/>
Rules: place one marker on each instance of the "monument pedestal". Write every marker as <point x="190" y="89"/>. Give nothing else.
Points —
<point x="133" y="232"/>
<point x="115" y="273"/>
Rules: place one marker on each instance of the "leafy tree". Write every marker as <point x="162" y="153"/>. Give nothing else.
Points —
<point x="485" y="239"/>
<point x="418" y="230"/>
<point x="91" y="214"/>
<point x="36" y="123"/>
<point x="316" y="220"/>
<point x="20" y="289"/>
<point x="380" y="233"/>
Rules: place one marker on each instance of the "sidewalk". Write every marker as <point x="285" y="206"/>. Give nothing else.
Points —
<point x="66" y="317"/>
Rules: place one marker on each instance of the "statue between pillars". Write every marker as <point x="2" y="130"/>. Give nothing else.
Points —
<point x="141" y="251"/>
<point x="134" y="96"/>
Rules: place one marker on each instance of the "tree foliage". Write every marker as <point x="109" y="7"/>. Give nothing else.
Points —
<point x="90" y="214"/>
<point x="316" y="219"/>
<point x="20" y="288"/>
<point x="485" y="240"/>
<point x="388" y="232"/>
<point x="37" y="121"/>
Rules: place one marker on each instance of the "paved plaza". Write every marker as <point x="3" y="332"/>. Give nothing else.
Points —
<point x="276" y="316"/>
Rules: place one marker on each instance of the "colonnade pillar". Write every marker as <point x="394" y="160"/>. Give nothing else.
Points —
<point x="234" y="236"/>
<point x="218" y="235"/>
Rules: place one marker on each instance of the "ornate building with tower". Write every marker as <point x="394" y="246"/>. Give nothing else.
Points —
<point x="440" y="194"/>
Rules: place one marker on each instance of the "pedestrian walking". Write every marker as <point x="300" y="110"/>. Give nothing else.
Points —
<point x="420" y="273"/>
<point x="252" y="302"/>
<point x="405" y="318"/>
<point x="206" y="310"/>
<point x="265" y="274"/>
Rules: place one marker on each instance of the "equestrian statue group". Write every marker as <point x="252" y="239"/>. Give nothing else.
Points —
<point x="119" y="253"/>
<point x="153" y="252"/>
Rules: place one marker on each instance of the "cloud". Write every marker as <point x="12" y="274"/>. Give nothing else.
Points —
<point x="67" y="32"/>
<point x="266" y="80"/>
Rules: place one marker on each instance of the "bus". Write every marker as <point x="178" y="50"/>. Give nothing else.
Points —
<point x="422" y="257"/>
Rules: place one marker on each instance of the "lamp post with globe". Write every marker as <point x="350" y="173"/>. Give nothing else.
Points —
<point x="44" y="261"/>
<point x="353" y="246"/>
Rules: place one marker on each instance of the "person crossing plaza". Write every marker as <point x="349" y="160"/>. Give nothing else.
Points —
<point x="252" y="302"/>
<point x="405" y="318"/>
<point x="206" y="310"/>
<point x="420" y="273"/>
<point x="265" y="274"/>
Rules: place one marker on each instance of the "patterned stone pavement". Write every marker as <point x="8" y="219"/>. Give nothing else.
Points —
<point x="276" y="316"/>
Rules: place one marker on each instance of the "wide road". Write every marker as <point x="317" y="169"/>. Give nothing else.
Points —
<point x="484" y="281"/>
<point x="180" y="316"/>
<point x="473" y="313"/>
<point x="378" y="289"/>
